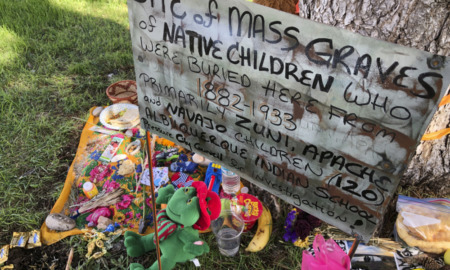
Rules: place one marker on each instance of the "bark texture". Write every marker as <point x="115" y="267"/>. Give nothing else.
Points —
<point x="421" y="24"/>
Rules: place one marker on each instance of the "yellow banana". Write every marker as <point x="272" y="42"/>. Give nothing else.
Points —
<point x="263" y="232"/>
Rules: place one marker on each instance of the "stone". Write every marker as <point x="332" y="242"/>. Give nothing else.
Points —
<point x="126" y="167"/>
<point x="129" y="133"/>
<point x="59" y="222"/>
<point x="118" y="157"/>
<point x="96" y="112"/>
<point x="103" y="223"/>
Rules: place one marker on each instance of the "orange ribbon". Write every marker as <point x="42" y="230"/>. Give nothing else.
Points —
<point x="445" y="100"/>
<point x="436" y="135"/>
<point x="441" y="133"/>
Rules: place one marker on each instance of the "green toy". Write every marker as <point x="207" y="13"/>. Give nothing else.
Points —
<point x="188" y="210"/>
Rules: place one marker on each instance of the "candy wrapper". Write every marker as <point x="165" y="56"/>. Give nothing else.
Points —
<point x="4" y="252"/>
<point x="34" y="240"/>
<point x="19" y="239"/>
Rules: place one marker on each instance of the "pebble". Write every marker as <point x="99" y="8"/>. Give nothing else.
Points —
<point x="96" y="112"/>
<point x="118" y="157"/>
<point x="59" y="222"/>
<point x="129" y="133"/>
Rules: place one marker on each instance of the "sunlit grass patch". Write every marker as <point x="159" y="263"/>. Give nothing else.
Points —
<point x="10" y="48"/>
<point x="57" y="57"/>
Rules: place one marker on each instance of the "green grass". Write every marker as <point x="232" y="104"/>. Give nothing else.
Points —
<point x="55" y="57"/>
<point x="56" y="61"/>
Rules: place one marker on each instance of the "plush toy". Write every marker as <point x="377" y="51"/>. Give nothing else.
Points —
<point x="188" y="210"/>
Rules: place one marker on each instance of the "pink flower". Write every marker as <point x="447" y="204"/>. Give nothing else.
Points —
<point x="126" y="201"/>
<point x="148" y="201"/>
<point x="138" y="215"/>
<point x="110" y="185"/>
<point x="118" y="136"/>
<point x="99" y="173"/>
<point x="128" y="216"/>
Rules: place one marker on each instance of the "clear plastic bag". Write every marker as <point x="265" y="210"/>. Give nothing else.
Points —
<point x="424" y="223"/>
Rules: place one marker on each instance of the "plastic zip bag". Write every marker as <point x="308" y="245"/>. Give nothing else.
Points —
<point x="424" y="223"/>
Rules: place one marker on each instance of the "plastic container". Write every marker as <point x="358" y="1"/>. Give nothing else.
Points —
<point x="253" y="209"/>
<point x="90" y="190"/>
<point x="231" y="182"/>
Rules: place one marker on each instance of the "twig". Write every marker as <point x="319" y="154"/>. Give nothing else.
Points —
<point x="69" y="259"/>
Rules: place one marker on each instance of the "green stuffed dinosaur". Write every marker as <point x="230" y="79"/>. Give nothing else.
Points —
<point x="188" y="210"/>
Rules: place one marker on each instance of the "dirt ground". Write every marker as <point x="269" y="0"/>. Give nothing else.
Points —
<point x="45" y="257"/>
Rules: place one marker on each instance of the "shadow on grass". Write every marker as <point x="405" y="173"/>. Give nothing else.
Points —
<point x="53" y="68"/>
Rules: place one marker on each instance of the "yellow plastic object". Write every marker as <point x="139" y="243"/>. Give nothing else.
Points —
<point x="436" y="135"/>
<point x="445" y="100"/>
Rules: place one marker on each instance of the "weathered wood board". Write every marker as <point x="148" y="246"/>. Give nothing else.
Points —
<point x="321" y="117"/>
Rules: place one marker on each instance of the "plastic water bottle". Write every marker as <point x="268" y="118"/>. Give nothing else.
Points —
<point x="231" y="182"/>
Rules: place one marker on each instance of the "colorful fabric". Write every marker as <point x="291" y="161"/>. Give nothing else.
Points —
<point x="87" y="167"/>
<point x="180" y="180"/>
<point x="165" y="226"/>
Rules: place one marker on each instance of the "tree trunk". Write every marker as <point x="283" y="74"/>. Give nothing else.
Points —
<point x="421" y="24"/>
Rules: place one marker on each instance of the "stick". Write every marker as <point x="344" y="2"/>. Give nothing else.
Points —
<point x="69" y="259"/>
<point x="353" y="248"/>
<point x="152" y="187"/>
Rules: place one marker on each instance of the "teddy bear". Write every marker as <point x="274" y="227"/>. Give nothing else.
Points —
<point x="188" y="210"/>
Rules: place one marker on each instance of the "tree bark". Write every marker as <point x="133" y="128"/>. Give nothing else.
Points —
<point x="421" y="24"/>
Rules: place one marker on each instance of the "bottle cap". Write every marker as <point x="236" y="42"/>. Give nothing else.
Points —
<point x="227" y="172"/>
<point x="88" y="186"/>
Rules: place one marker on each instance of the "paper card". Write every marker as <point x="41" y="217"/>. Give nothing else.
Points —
<point x="111" y="149"/>
<point x="145" y="179"/>
<point x="160" y="176"/>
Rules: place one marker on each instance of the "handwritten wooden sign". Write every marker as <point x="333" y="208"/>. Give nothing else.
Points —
<point x="321" y="117"/>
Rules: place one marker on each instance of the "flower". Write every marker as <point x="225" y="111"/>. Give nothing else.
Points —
<point x="110" y="185"/>
<point x="99" y="173"/>
<point x="315" y="222"/>
<point x="128" y="216"/>
<point x="118" y="135"/>
<point x="289" y="234"/>
<point x="126" y="201"/>
<point x="302" y="243"/>
<point x="119" y="217"/>
<point x="138" y="215"/>
<point x="148" y="201"/>
<point x="298" y="226"/>
<point x="95" y="155"/>
<point x="302" y="228"/>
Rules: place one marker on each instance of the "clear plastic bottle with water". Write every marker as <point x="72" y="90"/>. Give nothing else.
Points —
<point x="231" y="182"/>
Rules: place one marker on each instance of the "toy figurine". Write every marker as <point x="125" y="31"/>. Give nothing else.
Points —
<point x="188" y="210"/>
